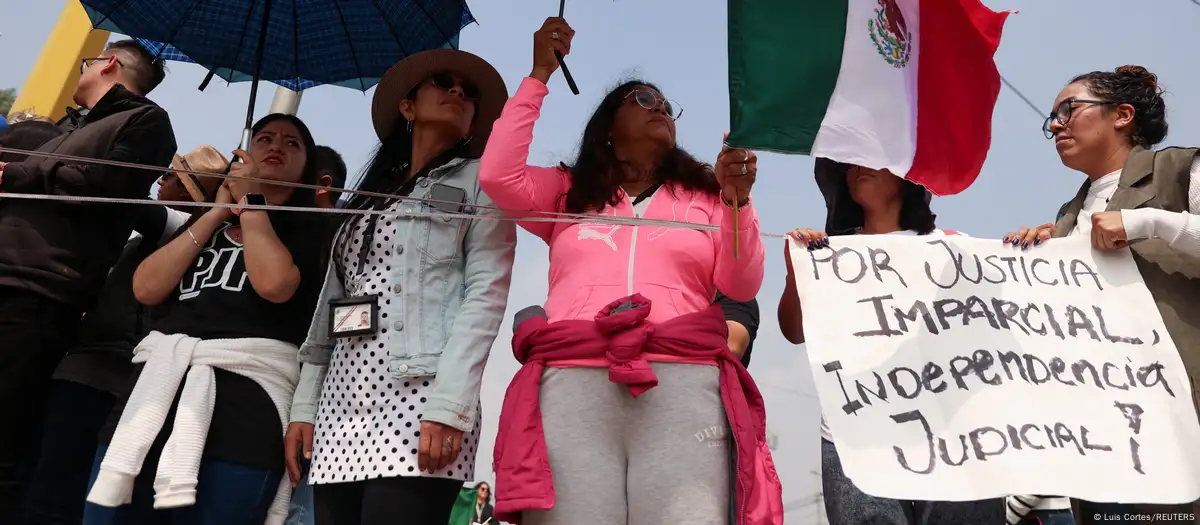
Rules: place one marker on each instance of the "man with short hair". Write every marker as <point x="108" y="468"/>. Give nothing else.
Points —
<point x="54" y="256"/>
<point x="331" y="173"/>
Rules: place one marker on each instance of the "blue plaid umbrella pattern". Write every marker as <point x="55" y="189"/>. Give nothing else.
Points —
<point x="172" y="53"/>
<point x="348" y="43"/>
<point x="169" y="52"/>
<point x="341" y="42"/>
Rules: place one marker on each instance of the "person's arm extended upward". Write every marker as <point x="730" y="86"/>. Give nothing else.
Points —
<point x="269" y="264"/>
<point x="503" y="170"/>
<point x="160" y="273"/>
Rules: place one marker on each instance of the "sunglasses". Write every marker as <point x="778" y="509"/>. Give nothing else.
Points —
<point x="651" y="100"/>
<point x="1062" y="114"/>
<point x="446" y="82"/>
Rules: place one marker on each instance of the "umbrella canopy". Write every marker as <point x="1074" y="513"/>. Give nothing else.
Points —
<point x="348" y="43"/>
<point x="170" y="52"/>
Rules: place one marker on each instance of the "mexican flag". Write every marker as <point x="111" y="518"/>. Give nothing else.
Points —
<point x="907" y="85"/>
<point x="464" y="506"/>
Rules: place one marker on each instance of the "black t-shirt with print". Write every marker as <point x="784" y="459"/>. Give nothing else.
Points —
<point x="215" y="300"/>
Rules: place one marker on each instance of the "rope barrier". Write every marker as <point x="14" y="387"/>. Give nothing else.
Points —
<point x="508" y="215"/>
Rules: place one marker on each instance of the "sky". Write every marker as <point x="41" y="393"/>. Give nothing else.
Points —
<point x="681" y="46"/>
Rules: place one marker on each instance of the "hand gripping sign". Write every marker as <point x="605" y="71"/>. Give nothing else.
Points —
<point x="952" y="368"/>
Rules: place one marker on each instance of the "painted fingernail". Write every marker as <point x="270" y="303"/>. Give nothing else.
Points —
<point x="1015" y="241"/>
<point x="1037" y="241"/>
<point x="1005" y="238"/>
<point x="826" y="241"/>
<point x="1024" y="245"/>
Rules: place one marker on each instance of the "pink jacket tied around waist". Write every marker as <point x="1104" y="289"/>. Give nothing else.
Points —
<point x="621" y="336"/>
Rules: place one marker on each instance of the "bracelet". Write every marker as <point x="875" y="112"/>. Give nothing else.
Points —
<point x="730" y="204"/>
<point x="193" y="236"/>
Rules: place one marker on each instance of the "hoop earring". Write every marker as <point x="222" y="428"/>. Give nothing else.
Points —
<point x="408" y="125"/>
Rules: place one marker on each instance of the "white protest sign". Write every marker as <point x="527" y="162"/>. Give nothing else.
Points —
<point x="952" y="368"/>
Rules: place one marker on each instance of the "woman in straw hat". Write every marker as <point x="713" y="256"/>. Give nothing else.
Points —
<point x="389" y="412"/>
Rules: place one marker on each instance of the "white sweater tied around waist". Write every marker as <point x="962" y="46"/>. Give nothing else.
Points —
<point x="270" y="363"/>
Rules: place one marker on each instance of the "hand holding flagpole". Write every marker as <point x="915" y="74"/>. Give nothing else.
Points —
<point x="735" y="170"/>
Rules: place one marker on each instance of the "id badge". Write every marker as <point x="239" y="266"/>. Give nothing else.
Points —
<point x="353" y="316"/>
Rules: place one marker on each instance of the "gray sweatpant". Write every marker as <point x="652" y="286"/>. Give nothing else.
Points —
<point x="663" y="458"/>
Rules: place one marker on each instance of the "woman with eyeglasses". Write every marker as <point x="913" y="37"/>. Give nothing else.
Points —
<point x="631" y="356"/>
<point x="388" y="406"/>
<point x="1104" y="125"/>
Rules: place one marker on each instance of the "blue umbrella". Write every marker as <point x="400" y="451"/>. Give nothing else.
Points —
<point x="340" y="42"/>
<point x="172" y="53"/>
<point x="169" y="52"/>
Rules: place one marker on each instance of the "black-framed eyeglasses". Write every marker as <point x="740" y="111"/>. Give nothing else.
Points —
<point x="85" y="63"/>
<point x="651" y="100"/>
<point x="1066" y="108"/>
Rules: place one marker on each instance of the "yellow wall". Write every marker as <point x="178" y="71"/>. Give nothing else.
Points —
<point x="48" y="89"/>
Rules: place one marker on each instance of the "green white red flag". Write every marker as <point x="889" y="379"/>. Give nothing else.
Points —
<point x="907" y="85"/>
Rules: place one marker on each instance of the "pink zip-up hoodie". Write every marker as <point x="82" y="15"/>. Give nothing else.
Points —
<point x="591" y="265"/>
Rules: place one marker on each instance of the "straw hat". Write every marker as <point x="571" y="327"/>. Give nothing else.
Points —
<point x="400" y="80"/>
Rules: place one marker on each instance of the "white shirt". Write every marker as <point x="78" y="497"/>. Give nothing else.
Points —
<point x="1180" y="230"/>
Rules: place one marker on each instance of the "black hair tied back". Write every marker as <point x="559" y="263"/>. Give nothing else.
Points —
<point x="1138" y="87"/>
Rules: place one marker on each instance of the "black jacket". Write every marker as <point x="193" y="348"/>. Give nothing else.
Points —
<point x="63" y="250"/>
<point x="117" y="322"/>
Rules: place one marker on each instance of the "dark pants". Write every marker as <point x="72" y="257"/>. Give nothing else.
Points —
<point x="57" y="486"/>
<point x="35" y="333"/>
<point x="381" y="501"/>
<point x="226" y="494"/>
<point x="846" y="505"/>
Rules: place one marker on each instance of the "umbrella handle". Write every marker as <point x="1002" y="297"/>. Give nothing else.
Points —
<point x="562" y="5"/>
<point x="244" y="146"/>
<point x="566" y="73"/>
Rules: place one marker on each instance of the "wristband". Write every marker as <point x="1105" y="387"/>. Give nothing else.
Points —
<point x="250" y="199"/>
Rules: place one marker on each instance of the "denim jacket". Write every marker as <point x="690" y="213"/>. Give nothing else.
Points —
<point x="449" y="287"/>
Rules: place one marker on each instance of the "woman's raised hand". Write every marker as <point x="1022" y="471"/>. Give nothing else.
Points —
<point x="554" y="35"/>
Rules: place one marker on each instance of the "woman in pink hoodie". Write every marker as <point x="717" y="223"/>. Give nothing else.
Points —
<point x="660" y="451"/>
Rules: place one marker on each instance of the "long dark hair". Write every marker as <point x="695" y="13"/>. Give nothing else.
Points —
<point x="1136" y="86"/>
<point x="384" y="174"/>
<point x="484" y="484"/>
<point x="915" y="214"/>
<point x="596" y="173"/>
